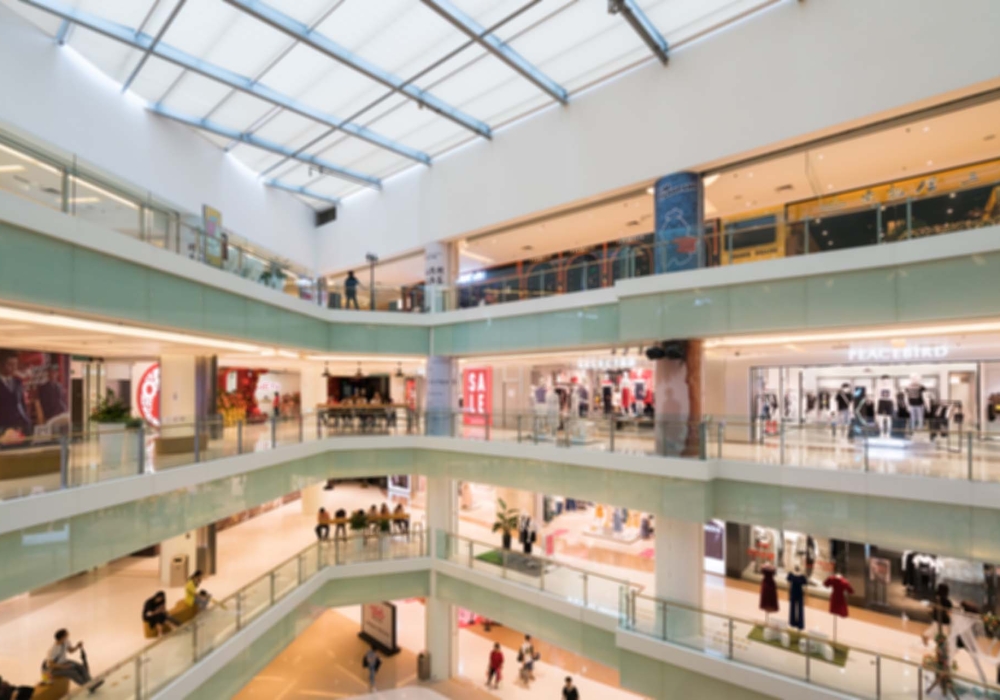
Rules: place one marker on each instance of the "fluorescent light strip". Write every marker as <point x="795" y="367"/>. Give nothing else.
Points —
<point x="11" y="168"/>
<point x="57" y="321"/>
<point x="365" y="358"/>
<point x="102" y="191"/>
<point x="29" y="159"/>
<point x="752" y="341"/>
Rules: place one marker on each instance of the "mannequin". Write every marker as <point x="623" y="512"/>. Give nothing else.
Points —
<point x="584" y="399"/>
<point x="552" y="411"/>
<point x="768" y="590"/>
<point x="840" y="588"/>
<point x="574" y="400"/>
<point x="796" y="599"/>
<point x="884" y="409"/>
<point x="843" y="401"/>
<point x="915" y="400"/>
<point x="627" y="394"/>
<point x="528" y="533"/>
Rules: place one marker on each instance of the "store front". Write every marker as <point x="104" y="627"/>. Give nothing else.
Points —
<point x="902" y="392"/>
<point x="884" y="580"/>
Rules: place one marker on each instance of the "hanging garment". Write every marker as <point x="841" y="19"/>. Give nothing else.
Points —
<point x="768" y="590"/>
<point x="840" y="588"/>
<point x="796" y="601"/>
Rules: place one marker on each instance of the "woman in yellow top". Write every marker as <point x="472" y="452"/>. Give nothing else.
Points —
<point x="194" y="597"/>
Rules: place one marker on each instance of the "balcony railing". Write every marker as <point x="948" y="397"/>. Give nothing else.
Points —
<point x="810" y="658"/>
<point x="144" y="674"/>
<point x="45" y="463"/>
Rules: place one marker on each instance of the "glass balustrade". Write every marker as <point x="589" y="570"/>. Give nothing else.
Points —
<point x="45" y="463"/>
<point x="144" y="674"/>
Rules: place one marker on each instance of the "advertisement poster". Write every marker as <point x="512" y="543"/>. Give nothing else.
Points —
<point x="214" y="237"/>
<point x="378" y="626"/>
<point x="147" y="395"/>
<point x="34" y="391"/>
<point x="679" y="218"/>
<point x="410" y="391"/>
<point x="477" y="394"/>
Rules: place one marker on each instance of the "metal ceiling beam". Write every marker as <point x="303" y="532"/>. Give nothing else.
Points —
<point x="304" y="191"/>
<point x="62" y="34"/>
<point x="239" y="82"/>
<point x="324" y="166"/>
<point x="647" y="31"/>
<point x="156" y="40"/>
<point x="497" y="47"/>
<point x="310" y="37"/>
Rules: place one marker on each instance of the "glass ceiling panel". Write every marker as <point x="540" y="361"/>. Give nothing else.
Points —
<point x="113" y="58"/>
<point x="573" y="42"/>
<point x="154" y="79"/>
<point x="128" y="12"/>
<point x="195" y="95"/>
<point x="240" y="111"/>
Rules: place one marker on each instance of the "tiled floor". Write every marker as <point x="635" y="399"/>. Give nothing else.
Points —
<point x="103" y="606"/>
<point x="325" y="662"/>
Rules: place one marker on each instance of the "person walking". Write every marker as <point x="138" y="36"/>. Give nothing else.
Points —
<point x="495" y="668"/>
<point x="373" y="663"/>
<point x="351" y="285"/>
<point x="569" y="690"/>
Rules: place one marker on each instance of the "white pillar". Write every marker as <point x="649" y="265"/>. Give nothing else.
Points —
<point x="312" y="497"/>
<point x="442" y="400"/>
<point x="680" y="577"/>
<point x="178" y="393"/>
<point x="440" y="274"/>
<point x="442" y="636"/>
<point x="442" y="510"/>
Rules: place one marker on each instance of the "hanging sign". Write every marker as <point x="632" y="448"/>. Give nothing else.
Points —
<point x="891" y="353"/>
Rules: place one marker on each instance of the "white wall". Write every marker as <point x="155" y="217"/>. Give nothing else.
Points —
<point x="54" y="96"/>
<point x="791" y="71"/>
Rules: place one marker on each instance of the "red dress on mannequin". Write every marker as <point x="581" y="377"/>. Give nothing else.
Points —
<point x="768" y="590"/>
<point x="838" y="600"/>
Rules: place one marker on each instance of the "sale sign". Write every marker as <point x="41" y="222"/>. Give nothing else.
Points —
<point x="477" y="394"/>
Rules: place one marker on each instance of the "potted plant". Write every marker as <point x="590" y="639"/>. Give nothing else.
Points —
<point x="359" y="524"/>
<point x="506" y="521"/>
<point x="113" y="418"/>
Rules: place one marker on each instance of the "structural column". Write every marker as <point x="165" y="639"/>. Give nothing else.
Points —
<point x="187" y="392"/>
<point x="312" y="498"/>
<point x="680" y="578"/>
<point x="442" y="621"/>
<point x="677" y="397"/>
<point x="440" y="274"/>
<point x="679" y="234"/>
<point x="442" y="403"/>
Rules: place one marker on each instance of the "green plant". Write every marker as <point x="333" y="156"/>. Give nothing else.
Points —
<point x="111" y="409"/>
<point x="359" y="521"/>
<point x="506" y="521"/>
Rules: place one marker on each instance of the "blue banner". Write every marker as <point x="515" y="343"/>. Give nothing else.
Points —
<point x="678" y="236"/>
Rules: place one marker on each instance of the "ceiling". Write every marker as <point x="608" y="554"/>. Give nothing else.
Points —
<point x="327" y="97"/>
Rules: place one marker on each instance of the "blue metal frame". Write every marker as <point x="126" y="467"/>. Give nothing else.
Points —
<point x="303" y="33"/>
<point x="156" y="40"/>
<point x="63" y="31"/>
<point x="144" y="42"/>
<point x="498" y="48"/>
<point x="643" y="27"/>
<point x="305" y="192"/>
<point x="326" y="167"/>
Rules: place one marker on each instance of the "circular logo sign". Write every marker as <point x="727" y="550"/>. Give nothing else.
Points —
<point x="148" y="395"/>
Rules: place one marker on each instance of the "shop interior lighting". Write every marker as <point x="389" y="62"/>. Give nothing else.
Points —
<point x="79" y="324"/>
<point x="101" y="191"/>
<point x="842" y="336"/>
<point x="29" y="159"/>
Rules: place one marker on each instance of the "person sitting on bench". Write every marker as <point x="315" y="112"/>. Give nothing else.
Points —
<point x="154" y="614"/>
<point x="323" y="525"/>
<point x="402" y="523"/>
<point x="60" y="665"/>
<point x="341" y="530"/>
<point x="195" y="598"/>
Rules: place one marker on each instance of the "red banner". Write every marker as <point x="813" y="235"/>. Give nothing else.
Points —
<point x="477" y="394"/>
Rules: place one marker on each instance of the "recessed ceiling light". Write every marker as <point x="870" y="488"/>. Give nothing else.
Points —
<point x="951" y="196"/>
<point x="951" y="211"/>
<point x="750" y="174"/>
<point x="650" y="190"/>
<point x="710" y="180"/>
<point x="926" y="129"/>
<point x="825" y="232"/>
<point x="829" y="187"/>
<point x="930" y="162"/>
<point x="819" y="157"/>
<point x="829" y="243"/>
<point x="11" y="168"/>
